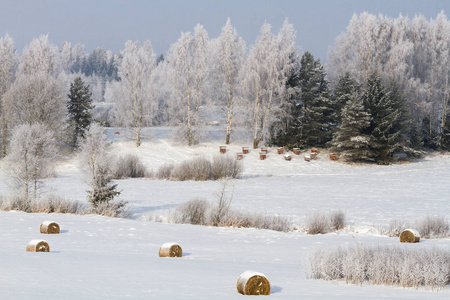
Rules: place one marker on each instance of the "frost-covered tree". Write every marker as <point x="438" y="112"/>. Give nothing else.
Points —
<point x="79" y="108"/>
<point x="8" y="65"/>
<point x="134" y="103"/>
<point x="94" y="160"/>
<point x="187" y="71"/>
<point x="263" y="78"/>
<point x="36" y="99"/>
<point x="40" y="56"/>
<point x="350" y="139"/>
<point x="230" y="48"/>
<point x="30" y="157"/>
<point x="343" y="91"/>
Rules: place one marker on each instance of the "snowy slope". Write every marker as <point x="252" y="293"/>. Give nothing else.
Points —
<point x="98" y="257"/>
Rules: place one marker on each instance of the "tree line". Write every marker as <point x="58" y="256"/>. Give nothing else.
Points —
<point x="384" y="90"/>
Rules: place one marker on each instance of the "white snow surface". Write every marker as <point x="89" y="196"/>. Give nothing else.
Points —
<point x="98" y="257"/>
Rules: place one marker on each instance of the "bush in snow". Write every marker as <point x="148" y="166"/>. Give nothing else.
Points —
<point x="395" y="228"/>
<point x="387" y="265"/>
<point x="164" y="171"/>
<point x="322" y="223"/>
<point x="45" y="204"/>
<point x="429" y="227"/>
<point x="433" y="227"/>
<point x="198" y="169"/>
<point x="202" y="212"/>
<point x="225" y="166"/>
<point x="192" y="212"/>
<point x="201" y="169"/>
<point x="129" y="166"/>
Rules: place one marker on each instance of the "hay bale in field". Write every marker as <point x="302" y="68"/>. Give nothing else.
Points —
<point x="307" y="158"/>
<point x="223" y="149"/>
<point x="287" y="157"/>
<point x="38" y="246"/>
<point x="296" y="151"/>
<point x="264" y="149"/>
<point x="314" y="150"/>
<point x="245" y="150"/>
<point x="49" y="227"/>
<point x="280" y="150"/>
<point x="313" y="155"/>
<point x="262" y="155"/>
<point x="239" y="155"/>
<point x="170" y="250"/>
<point x="253" y="283"/>
<point x="409" y="236"/>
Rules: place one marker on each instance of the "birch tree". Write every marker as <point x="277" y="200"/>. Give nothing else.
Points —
<point x="135" y="106"/>
<point x="34" y="99"/>
<point x="40" y="56"/>
<point x="263" y="78"/>
<point x="229" y="58"/>
<point x="8" y="65"/>
<point x="30" y="158"/>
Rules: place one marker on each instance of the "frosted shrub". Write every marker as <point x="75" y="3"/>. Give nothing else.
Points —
<point x="395" y="228"/>
<point x="202" y="212"/>
<point x="165" y="171"/>
<point x="115" y="209"/>
<point x="198" y="169"/>
<point x="433" y="227"/>
<point x="129" y="166"/>
<point x="225" y="166"/>
<point x="16" y="202"/>
<point x="192" y="212"/>
<point x="322" y="223"/>
<point x="337" y="220"/>
<point x="45" y="204"/>
<point x="317" y="223"/>
<point x="387" y="265"/>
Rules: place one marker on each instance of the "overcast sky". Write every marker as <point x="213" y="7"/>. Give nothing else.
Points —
<point x="109" y="23"/>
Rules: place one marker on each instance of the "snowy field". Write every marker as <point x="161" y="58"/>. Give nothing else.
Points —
<point x="97" y="257"/>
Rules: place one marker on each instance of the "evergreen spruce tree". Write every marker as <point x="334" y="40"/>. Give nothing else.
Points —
<point x="104" y="191"/>
<point x="384" y="133"/>
<point x="344" y="89"/>
<point x="79" y="109"/>
<point x="316" y="110"/>
<point x="349" y="139"/>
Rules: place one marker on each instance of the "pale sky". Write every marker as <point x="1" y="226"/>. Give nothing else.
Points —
<point x="109" y="23"/>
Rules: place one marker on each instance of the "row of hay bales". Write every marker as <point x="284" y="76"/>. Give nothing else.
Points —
<point x="249" y="282"/>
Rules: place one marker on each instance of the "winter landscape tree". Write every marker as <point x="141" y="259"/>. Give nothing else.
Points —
<point x="8" y="65"/>
<point x="34" y="99"/>
<point x="94" y="160"/>
<point x="79" y="109"/>
<point x="134" y="104"/>
<point x="230" y="50"/>
<point x="40" y="56"/>
<point x="30" y="157"/>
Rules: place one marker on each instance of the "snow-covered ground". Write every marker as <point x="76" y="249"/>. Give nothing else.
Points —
<point x="98" y="257"/>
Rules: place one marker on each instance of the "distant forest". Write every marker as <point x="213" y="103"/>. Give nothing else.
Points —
<point x="383" y="94"/>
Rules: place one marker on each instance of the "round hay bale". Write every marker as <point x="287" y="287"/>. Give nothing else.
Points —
<point x="170" y="250"/>
<point x="409" y="236"/>
<point x="49" y="227"/>
<point x="38" y="246"/>
<point x="253" y="283"/>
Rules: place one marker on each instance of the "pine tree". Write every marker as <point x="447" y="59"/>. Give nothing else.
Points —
<point x="349" y="139"/>
<point x="383" y="131"/>
<point x="316" y="104"/>
<point x="79" y="108"/>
